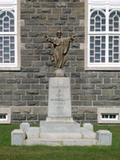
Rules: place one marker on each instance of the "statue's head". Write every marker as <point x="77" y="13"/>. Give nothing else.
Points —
<point x="59" y="34"/>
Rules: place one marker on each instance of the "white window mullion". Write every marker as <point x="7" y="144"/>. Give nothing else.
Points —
<point x="88" y="59"/>
<point x="107" y="49"/>
<point x="88" y="29"/>
<point x="107" y="37"/>
<point x="8" y="2"/>
<point x="119" y="48"/>
<point x="8" y="33"/>
<point x="16" y="46"/>
<point x="16" y="23"/>
<point x="89" y="34"/>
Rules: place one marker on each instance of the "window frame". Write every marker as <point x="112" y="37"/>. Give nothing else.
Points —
<point x="99" y="4"/>
<point x="106" y="116"/>
<point x="7" y="4"/>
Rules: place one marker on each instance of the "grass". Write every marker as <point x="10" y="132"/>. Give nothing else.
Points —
<point x="8" y="152"/>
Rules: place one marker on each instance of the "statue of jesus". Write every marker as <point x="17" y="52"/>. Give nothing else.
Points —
<point x="60" y="49"/>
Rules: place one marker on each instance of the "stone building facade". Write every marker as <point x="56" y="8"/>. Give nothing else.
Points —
<point x="26" y="90"/>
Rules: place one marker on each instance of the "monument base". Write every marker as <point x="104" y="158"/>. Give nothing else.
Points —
<point x="59" y="127"/>
<point x="56" y="133"/>
<point x="59" y="130"/>
<point x="59" y="134"/>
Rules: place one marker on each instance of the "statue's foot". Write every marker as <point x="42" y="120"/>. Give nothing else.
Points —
<point x="59" y="72"/>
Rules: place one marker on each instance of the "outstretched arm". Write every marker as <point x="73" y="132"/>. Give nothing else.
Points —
<point x="72" y="38"/>
<point x="49" y="39"/>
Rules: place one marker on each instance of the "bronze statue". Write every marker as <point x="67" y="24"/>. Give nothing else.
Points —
<point x="60" y="49"/>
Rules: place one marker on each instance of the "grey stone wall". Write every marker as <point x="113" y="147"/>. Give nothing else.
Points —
<point x="29" y="86"/>
<point x="33" y="114"/>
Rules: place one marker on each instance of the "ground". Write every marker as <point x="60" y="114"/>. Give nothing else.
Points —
<point x="8" y="152"/>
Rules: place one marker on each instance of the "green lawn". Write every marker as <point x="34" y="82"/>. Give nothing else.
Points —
<point x="8" y="152"/>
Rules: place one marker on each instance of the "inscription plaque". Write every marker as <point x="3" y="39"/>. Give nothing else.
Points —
<point x="59" y="102"/>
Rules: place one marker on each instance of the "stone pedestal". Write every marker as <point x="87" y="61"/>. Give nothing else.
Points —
<point x="59" y="126"/>
<point x="17" y="137"/>
<point x="59" y="123"/>
<point x="104" y="137"/>
<point x="24" y="127"/>
<point x="33" y="132"/>
<point x="59" y="101"/>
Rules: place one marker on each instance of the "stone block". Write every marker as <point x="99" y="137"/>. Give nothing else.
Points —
<point x="42" y="116"/>
<point x="78" y="117"/>
<point x="33" y="132"/>
<point x="88" y="126"/>
<point x="67" y="127"/>
<point x="91" y="116"/>
<point x="24" y="127"/>
<point x="31" y="117"/>
<point x="59" y="102"/>
<point x="87" y="134"/>
<point x="64" y="142"/>
<point x="59" y="130"/>
<point x="33" y="103"/>
<point x="17" y="137"/>
<point x="83" y="103"/>
<point x="18" y="117"/>
<point x="104" y="137"/>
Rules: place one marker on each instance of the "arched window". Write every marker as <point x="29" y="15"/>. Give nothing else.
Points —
<point x="102" y="35"/>
<point x="114" y="40"/>
<point x="7" y="21"/>
<point x="97" y="21"/>
<point x="97" y="42"/>
<point x="9" y="51"/>
<point x="114" y="21"/>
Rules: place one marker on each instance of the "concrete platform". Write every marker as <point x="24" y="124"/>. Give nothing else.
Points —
<point x="79" y="137"/>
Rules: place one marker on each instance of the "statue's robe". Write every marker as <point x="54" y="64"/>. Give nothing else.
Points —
<point x="60" y="50"/>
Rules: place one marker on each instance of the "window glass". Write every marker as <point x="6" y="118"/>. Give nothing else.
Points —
<point x="97" y="21"/>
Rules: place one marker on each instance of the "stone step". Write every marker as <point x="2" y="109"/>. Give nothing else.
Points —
<point x="60" y="135"/>
<point x="58" y="127"/>
<point x="61" y="142"/>
<point x="64" y="129"/>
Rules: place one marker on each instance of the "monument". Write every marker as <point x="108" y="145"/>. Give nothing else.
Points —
<point x="59" y="128"/>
